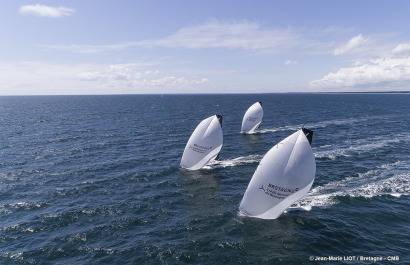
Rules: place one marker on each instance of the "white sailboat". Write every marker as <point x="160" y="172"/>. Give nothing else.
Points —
<point x="284" y="175"/>
<point x="204" y="144"/>
<point x="252" y="118"/>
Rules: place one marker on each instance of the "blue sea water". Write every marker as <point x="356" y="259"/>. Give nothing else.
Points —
<point x="96" y="180"/>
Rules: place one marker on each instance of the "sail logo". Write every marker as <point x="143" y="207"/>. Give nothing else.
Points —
<point x="277" y="191"/>
<point x="252" y="119"/>
<point x="281" y="189"/>
<point x="200" y="149"/>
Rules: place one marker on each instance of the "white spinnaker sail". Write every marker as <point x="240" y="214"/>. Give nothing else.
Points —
<point x="252" y="118"/>
<point x="284" y="175"/>
<point x="204" y="144"/>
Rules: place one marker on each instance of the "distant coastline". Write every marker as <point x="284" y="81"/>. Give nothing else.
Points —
<point x="233" y="93"/>
<point x="370" y="92"/>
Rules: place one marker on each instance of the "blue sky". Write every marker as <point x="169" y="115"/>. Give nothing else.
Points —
<point x="186" y="46"/>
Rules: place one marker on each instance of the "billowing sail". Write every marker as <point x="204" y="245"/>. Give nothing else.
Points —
<point x="252" y="118"/>
<point x="204" y="144"/>
<point x="284" y="175"/>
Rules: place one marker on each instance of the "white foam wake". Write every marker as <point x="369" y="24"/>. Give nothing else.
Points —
<point x="234" y="161"/>
<point x="322" y="124"/>
<point x="281" y="129"/>
<point x="349" y="148"/>
<point x="389" y="179"/>
<point x="315" y="125"/>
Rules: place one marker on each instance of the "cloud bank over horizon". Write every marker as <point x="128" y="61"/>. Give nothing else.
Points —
<point x="231" y="34"/>
<point x="129" y="48"/>
<point x="374" y="74"/>
<point x="388" y="73"/>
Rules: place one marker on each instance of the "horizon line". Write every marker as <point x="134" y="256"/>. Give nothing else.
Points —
<point x="233" y="93"/>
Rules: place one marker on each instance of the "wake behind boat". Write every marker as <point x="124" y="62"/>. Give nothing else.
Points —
<point x="284" y="175"/>
<point x="204" y="144"/>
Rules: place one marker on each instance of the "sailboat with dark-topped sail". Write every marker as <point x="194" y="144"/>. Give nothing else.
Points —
<point x="204" y="144"/>
<point x="252" y="118"/>
<point x="284" y="175"/>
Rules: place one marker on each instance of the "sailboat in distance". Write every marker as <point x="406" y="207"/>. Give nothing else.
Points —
<point x="284" y="175"/>
<point x="204" y="144"/>
<point x="252" y="118"/>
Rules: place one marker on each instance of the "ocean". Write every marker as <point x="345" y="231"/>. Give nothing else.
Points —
<point x="96" y="180"/>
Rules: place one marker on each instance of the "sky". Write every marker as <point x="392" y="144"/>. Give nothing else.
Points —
<point x="61" y="47"/>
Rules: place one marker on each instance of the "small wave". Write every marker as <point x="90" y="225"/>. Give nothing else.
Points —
<point x="18" y="256"/>
<point x="306" y="208"/>
<point x="18" y="228"/>
<point x="389" y="179"/>
<point x="107" y="251"/>
<point x="25" y="205"/>
<point x="332" y="154"/>
<point x="242" y="160"/>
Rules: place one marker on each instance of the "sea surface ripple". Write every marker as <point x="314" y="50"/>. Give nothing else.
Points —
<point x="96" y="180"/>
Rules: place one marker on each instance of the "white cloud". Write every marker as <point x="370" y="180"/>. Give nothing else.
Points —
<point x="233" y="35"/>
<point x="353" y="45"/>
<point x="34" y="78"/>
<point x="92" y="48"/>
<point x="386" y="69"/>
<point x="380" y="74"/>
<point x="31" y="78"/>
<point x="132" y="75"/>
<point x="119" y="72"/>
<point x="90" y="76"/>
<point x="290" y="62"/>
<point x="244" y="35"/>
<point x="46" y="11"/>
<point x="402" y="49"/>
